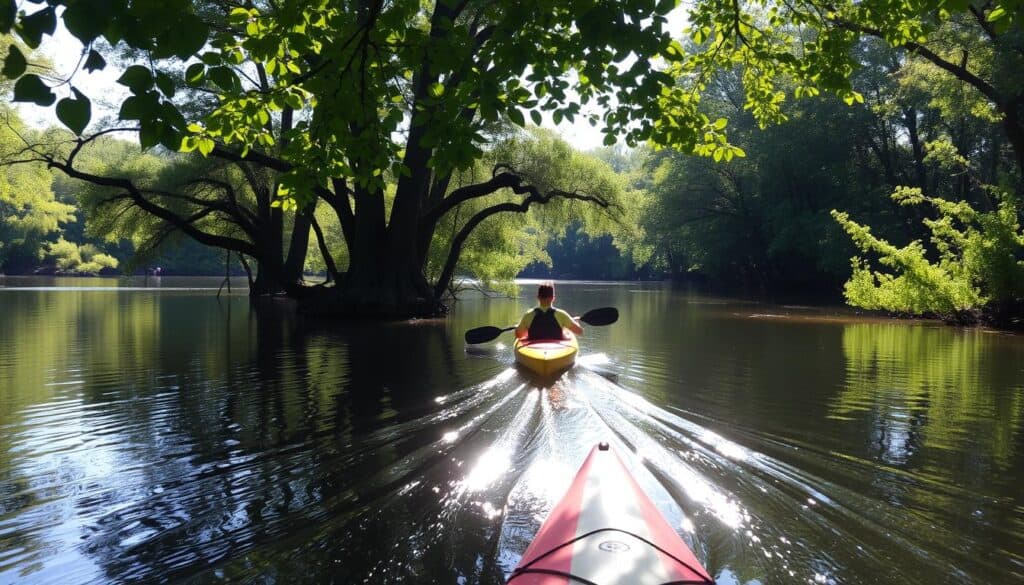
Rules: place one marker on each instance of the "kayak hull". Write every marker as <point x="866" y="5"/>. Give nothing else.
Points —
<point x="547" y="357"/>
<point x="606" y="531"/>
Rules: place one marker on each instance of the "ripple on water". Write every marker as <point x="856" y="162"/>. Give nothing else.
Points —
<point x="225" y="446"/>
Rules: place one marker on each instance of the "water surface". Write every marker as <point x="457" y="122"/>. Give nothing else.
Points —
<point x="162" y="435"/>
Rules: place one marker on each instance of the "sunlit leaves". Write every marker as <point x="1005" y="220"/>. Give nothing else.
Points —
<point x="361" y="85"/>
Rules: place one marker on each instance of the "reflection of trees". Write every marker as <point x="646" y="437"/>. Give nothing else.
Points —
<point x="222" y="431"/>
<point x="934" y="388"/>
<point x="944" y="404"/>
<point x="283" y="445"/>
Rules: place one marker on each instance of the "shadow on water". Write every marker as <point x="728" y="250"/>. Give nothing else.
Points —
<point x="174" y="438"/>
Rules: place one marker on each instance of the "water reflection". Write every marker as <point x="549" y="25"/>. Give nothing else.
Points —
<point x="166" y="435"/>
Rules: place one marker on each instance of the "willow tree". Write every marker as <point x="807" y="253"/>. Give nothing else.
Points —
<point x="340" y="101"/>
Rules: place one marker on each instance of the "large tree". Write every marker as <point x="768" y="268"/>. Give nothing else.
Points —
<point x="350" y="102"/>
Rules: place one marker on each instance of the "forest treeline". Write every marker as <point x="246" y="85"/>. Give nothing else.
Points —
<point x="808" y="150"/>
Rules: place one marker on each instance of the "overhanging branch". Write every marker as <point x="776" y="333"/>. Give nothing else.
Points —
<point x="533" y="195"/>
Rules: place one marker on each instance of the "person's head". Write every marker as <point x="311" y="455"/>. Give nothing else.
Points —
<point x="546" y="294"/>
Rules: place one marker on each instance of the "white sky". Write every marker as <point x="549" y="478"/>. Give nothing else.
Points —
<point x="106" y="94"/>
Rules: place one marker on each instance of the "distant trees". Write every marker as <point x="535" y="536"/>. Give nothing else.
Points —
<point x="935" y="131"/>
<point x="29" y="210"/>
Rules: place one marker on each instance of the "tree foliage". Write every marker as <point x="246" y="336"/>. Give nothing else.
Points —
<point x="374" y="108"/>
<point x="29" y="212"/>
<point x="979" y="256"/>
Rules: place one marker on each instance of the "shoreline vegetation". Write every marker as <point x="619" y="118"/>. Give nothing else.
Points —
<point x="1006" y="319"/>
<point x="803" y="150"/>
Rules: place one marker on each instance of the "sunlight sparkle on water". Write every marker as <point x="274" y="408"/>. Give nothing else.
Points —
<point x="724" y="446"/>
<point x="594" y="359"/>
<point x="489" y="467"/>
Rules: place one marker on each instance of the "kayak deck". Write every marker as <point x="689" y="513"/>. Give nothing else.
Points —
<point x="547" y="356"/>
<point x="606" y="531"/>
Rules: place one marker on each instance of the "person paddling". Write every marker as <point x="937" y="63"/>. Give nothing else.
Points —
<point x="546" y="321"/>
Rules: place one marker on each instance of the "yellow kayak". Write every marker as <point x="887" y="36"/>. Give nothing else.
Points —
<point x="547" y="356"/>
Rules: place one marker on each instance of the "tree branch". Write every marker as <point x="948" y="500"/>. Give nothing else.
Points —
<point x="533" y="196"/>
<point x="500" y="180"/>
<point x="136" y="195"/>
<point x="332" y="268"/>
<point x="960" y="72"/>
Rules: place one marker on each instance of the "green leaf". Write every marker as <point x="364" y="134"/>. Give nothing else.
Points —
<point x="170" y="138"/>
<point x="35" y="25"/>
<point x="188" y="38"/>
<point x="205" y="145"/>
<point x="14" y="64"/>
<point x="139" y="107"/>
<point x="195" y="73"/>
<point x="149" y="134"/>
<point x="238" y="16"/>
<point x="87" y="19"/>
<point x="436" y="90"/>
<point x="996" y="14"/>
<point x="517" y="117"/>
<point x="165" y="84"/>
<point x="720" y="123"/>
<point x="536" y="117"/>
<point x="224" y="77"/>
<point x="293" y="101"/>
<point x="94" y="62"/>
<point x="30" y="88"/>
<point x="137" y="78"/>
<point x="75" y="112"/>
<point x="8" y="13"/>
<point x="610" y="139"/>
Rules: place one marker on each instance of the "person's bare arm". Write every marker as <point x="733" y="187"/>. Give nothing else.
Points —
<point x="522" y="330"/>
<point x="574" y="325"/>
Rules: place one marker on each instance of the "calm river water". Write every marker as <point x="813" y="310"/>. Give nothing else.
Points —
<point x="161" y="435"/>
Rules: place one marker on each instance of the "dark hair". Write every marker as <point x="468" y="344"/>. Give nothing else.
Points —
<point x="546" y="291"/>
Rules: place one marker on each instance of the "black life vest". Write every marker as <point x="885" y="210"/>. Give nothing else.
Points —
<point x="544" y="325"/>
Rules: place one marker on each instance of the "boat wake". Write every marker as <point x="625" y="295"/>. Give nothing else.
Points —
<point x="457" y="494"/>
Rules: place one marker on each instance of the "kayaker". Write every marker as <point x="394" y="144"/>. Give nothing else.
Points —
<point x="546" y="321"/>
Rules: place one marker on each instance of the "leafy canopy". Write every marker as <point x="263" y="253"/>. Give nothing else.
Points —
<point x="362" y="77"/>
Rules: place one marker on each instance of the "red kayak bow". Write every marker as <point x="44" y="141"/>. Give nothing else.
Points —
<point x="606" y="531"/>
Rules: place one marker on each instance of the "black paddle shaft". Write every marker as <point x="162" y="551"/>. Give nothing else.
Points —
<point x="595" y="317"/>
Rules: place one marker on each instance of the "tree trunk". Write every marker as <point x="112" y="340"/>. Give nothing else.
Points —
<point x="910" y="118"/>
<point x="297" y="248"/>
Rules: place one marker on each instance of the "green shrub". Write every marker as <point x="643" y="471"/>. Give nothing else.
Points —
<point x="978" y="260"/>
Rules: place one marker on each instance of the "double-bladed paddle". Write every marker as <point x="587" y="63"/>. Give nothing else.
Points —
<point x="595" y="317"/>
